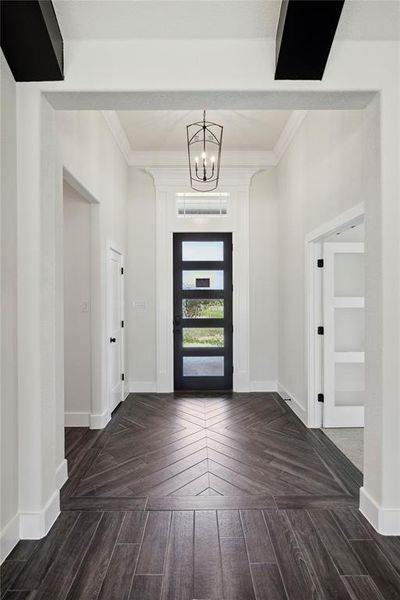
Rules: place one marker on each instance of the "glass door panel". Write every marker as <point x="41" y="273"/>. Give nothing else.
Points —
<point x="198" y="337"/>
<point x="202" y="250"/>
<point x="193" y="308"/>
<point x="203" y="366"/>
<point x="209" y="280"/>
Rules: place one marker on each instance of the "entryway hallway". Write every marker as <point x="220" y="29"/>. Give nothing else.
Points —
<point x="206" y="496"/>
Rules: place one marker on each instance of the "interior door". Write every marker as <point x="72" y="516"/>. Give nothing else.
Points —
<point x="343" y="316"/>
<point x="115" y="328"/>
<point x="203" y="311"/>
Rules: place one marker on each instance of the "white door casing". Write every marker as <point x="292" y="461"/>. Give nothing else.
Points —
<point x="312" y="415"/>
<point x="115" y="330"/>
<point x="343" y="345"/>
<point x="236" y="183"/>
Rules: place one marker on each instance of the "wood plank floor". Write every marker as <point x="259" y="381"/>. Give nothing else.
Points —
<point x="201" y="496"/>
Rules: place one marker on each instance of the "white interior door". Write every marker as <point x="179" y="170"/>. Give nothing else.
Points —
<point x="343" y="317"/>
<point x="115" y="329"/>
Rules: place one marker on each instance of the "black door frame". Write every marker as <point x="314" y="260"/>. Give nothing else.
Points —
<point x="224" y="382"/>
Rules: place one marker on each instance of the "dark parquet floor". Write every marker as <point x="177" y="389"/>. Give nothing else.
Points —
<point x="207" y="497"/>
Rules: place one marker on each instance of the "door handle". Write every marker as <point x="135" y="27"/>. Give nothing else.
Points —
<point x="112" y="340"/>
<point x="177" y="323"/>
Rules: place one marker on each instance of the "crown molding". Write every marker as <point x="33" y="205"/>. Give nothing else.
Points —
<point x="289" y="131"/>
<point x="112" y="119"/>
<point x="172" y="176"/>
<point x="255" y="159"/>
<point x="173" y="158"/>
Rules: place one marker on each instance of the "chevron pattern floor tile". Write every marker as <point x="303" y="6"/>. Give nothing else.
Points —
<point x="237" y="448"/>
<point x="206" y="497"/>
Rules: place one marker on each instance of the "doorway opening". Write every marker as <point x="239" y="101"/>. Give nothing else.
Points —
<point x="339" y="336"/>
<point x="115" y="320"/>
<point x="77" y="308"/>
<point x="344" y="341"/>
<point x="203" y="327"/>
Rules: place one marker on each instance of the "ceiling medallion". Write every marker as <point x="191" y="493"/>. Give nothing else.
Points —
<point x="204" y="142"/>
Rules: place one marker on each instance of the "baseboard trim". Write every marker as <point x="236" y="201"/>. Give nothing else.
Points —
<point x="386" y="521"/>
<point x="142" y="387"/>
<point x="293" y="403"/>
<point x="62" y="473"/>
<point x="35" y="525"/>
<point x="85" y="419"/>
<point x="263" y="386"/>
<point x="9" y="537"/>
<point x="99" y="421"/>
<point x="76" y="419"/>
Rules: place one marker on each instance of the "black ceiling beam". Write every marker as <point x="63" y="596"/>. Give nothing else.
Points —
<point x="304" y="37"/>
<point x="31" y="40"/>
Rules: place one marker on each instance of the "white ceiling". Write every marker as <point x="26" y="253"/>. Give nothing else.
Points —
<point x="130" y="19"/>
<point x="166" y="130"/>
<point x="127" y="19"/>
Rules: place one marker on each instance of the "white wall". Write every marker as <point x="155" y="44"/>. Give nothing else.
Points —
<point x="94" y="164"/>
<point x="263" y="223"/>
<point x="136" y="67"/>
<point x="319" y="177"/>
<point x="90" y="153"/>
<point x="32" y="425"/>
<point x="140" y="283"/>
<point x="77" y="326"/>
<point x="9" y="399"/>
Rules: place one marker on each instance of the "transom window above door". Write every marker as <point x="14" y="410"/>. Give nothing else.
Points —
<point x="205" y="205"/>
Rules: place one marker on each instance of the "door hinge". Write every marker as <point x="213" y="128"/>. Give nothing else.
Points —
<point x="320" y="263"/>
<point x="320" y="330"/>
<point x="320" y="398"/>
<point x="122" y="270"/>
<point x="122" y="376"/>
<point x="233" y="368"/>
<point x="122" y="323"/>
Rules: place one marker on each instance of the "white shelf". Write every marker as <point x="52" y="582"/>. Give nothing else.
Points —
<point x="349" y="357"/>
<point x="349" y="302"/>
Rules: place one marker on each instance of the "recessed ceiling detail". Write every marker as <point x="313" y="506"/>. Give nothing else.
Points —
<point x="141" y="136"/>
<point x="166" y="129"/>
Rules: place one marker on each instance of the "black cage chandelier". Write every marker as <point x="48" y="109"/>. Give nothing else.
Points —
<point x="204" y="141"/>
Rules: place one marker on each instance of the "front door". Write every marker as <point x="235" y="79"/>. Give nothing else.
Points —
<point x="203" y="311"/>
